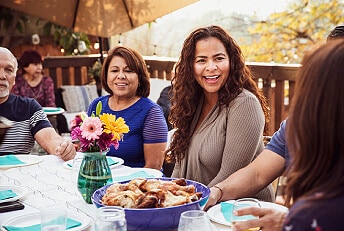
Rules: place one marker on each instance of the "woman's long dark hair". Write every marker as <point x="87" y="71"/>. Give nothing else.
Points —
<point x="187" y="92"/>
<point x="315" y="127"/>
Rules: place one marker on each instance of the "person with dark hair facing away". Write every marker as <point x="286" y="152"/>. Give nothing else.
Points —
<point x="336" y="33"/>
<point x="315" y="140"/>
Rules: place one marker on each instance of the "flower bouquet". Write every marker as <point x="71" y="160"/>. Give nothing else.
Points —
<point x="96" y="134"/>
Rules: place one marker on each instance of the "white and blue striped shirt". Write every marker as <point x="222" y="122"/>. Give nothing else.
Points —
<point x="28" y="118"/>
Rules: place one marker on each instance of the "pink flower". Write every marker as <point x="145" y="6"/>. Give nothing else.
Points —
<point x="75" y="122"/>
<point x="98" y="132"/>
<point x="91" y="128"/>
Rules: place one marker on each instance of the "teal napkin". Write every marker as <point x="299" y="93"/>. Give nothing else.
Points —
<point x="227" y="209"/>
<point x="52" y="109"/>
<point x="140" y="174"/>
<point x="10" y="160"/>
<point x="111" y="161"/>
<point x="5" y="194"/>
<point x="70" y="224"/>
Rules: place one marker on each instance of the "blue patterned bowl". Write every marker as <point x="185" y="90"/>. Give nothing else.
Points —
<point x="157" y="218"/>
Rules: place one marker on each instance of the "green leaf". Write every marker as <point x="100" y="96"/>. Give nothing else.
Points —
<point x="99" y="108"/>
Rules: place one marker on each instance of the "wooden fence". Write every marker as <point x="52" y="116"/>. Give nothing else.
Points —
<point x="276" y="80"/>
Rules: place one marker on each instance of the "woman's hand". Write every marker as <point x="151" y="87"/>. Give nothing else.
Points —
<point x="269" y="219"/>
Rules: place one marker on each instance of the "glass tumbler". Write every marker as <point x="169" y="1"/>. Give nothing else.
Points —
<point x="53" y="219"/>
<point x="244" y="203"/>
<point x="111" y="218"/>
<point x="194" y="220"/>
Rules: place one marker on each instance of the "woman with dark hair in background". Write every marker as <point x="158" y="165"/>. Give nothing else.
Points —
<point x="31" y="82"/>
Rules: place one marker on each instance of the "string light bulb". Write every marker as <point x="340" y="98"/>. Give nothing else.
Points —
<point x="96" y="45"/>
<point x="119" y="40"/>
<point x="154" y="54"/>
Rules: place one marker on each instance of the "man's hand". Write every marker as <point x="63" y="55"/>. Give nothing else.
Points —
<point x="65" y="150"/>
<point x="214" y="196"/>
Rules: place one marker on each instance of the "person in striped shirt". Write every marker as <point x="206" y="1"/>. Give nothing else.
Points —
<point x="30" y="123"/>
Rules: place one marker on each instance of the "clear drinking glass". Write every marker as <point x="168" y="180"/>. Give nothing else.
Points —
<point x="111" y="218"/>
<point x="244" y="203"/>
<point x="194" y="220"/>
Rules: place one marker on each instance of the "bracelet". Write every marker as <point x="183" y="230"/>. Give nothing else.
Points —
<point x="215" y="186"/>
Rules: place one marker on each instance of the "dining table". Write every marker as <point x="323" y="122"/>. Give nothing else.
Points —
<point x="48" y="183"/>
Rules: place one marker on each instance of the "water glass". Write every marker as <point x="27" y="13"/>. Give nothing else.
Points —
<point x="244" y="203"/>
<point x="111" y="218"/>
<point x="194" y="220"/>
<point x="53" y="219"/>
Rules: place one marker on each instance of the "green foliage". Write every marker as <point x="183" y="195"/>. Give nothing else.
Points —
<point x="96" y="69"/>
<point x="286" y="36"/>
<point x="67" y="38"/>
<point x="64" y="37"/>
<point x="7" y="16"/>
<point x="99" y="108"/>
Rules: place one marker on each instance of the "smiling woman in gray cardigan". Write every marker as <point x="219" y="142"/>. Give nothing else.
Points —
<point x="217" y="110"/>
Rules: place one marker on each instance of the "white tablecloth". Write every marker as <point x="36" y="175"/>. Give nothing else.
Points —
<point x="49" y="185"/>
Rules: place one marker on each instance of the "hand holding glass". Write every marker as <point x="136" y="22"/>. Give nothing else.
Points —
<point x="245" y="203"/>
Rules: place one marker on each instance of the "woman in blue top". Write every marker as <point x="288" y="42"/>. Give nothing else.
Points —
<point x="126" y="78"/>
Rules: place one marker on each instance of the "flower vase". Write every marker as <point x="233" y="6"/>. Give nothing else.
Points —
<point x="94" y="173"/>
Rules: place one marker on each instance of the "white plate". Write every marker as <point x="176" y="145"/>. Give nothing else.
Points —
<point x="216" y="215"/>
<point x="122" y="173"/>
<point x="20" y="191"/>
<point x="118" y="161"/>
<point x="27" y="159"/>
<point x="53" y="110"/>
<point x="35" y="218"/>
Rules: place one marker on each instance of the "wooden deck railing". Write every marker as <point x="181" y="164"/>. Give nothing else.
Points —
<point x="276" y="80"/>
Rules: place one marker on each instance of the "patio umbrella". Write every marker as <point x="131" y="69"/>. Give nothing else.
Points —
<point x="102" y="18"/>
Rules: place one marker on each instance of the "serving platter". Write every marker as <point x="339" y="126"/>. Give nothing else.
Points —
<point x="157" y="219"/>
